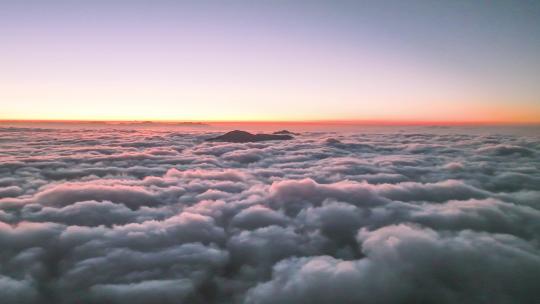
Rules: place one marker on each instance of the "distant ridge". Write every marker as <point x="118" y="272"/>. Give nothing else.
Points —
<point x="107" y="122"/>
<point x="239" y="136"/>
<point x="284" y="132"/>
<point x="150" y="123"/>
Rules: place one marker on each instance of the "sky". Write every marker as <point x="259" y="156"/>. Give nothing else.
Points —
<point x="446" y="61"/>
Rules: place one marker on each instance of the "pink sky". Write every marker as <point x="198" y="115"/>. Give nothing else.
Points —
<point x="262" y="62"/>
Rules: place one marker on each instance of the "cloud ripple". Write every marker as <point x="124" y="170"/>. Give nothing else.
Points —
<point x="157" y="216"/>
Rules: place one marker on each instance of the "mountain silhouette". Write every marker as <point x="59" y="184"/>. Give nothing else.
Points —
<point x="284" y="132"/>
<point x="239" y="136"/>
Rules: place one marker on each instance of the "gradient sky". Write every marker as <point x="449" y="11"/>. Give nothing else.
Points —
<point x="270" y="60"/>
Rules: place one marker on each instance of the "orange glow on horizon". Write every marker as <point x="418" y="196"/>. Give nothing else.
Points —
<point x="335" y="122"/>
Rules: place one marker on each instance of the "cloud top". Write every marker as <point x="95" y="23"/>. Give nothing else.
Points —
<point x="108" y="216"/>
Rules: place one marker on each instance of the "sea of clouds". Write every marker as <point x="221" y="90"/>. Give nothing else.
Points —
<point x="161" y="216"/>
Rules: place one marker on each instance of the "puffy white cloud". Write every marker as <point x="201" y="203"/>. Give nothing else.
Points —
<point x="152" y="291"/>
<point x="506" y="150"/>
<point x="66" y="194"/>
<point x="404" y="263"/>
<point x="419" y="215"/>
<point x="258" y="216"/>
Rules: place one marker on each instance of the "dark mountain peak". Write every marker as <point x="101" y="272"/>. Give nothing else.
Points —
<point x="243" y="136"/>
<point x="284" y="132"/>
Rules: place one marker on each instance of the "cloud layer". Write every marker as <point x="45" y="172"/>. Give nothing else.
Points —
<point x="158" y="216"/>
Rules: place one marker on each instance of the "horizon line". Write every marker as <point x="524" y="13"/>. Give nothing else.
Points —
<point x="381" y="122"/>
